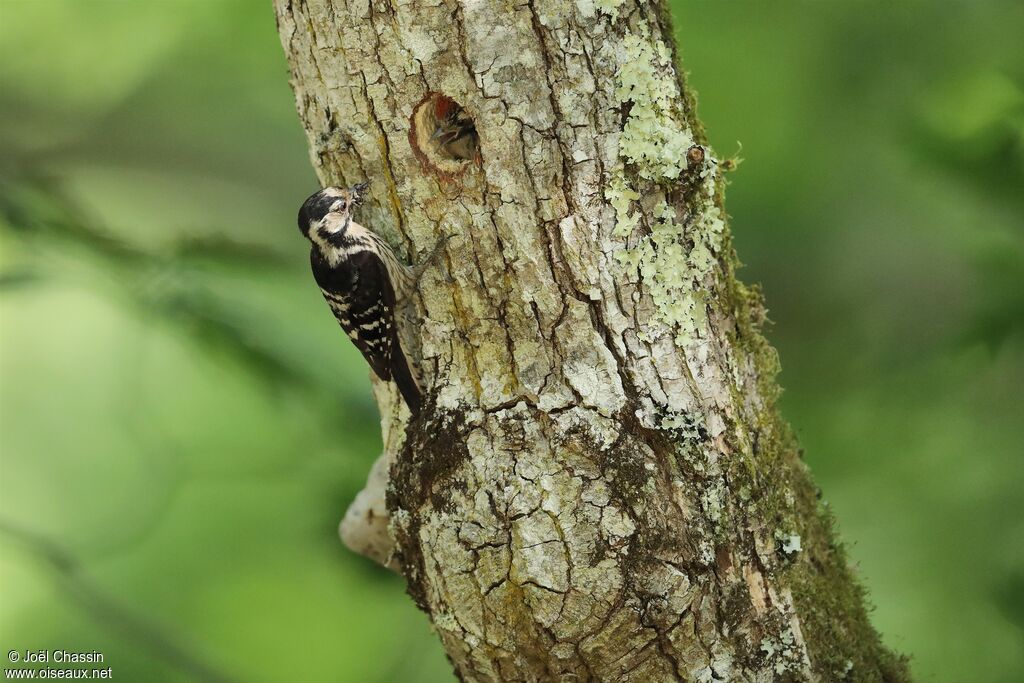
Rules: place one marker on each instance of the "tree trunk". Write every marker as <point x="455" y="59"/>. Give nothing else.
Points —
<point x="600" y="487"/>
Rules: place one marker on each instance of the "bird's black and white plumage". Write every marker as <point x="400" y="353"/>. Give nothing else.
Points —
<point x="363" y="282"/>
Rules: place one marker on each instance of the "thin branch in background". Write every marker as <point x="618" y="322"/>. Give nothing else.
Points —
<point x="18" y="277"/>
<point x="228" y="251"/>
<point x="161" y="283"/>
<point x="105" y="610"/>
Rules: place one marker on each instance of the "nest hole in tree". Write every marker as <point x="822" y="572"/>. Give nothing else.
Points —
<point x="443" y="136"/>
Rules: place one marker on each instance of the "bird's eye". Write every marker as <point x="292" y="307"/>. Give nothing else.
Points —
<point x="339" y="205"/>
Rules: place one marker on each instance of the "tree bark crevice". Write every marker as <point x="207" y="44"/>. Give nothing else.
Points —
<point x="600" y="485"/>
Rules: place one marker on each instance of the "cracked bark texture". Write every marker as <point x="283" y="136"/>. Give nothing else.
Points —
<point x="600" y="487"/>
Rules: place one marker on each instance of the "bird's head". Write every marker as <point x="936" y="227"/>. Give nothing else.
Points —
<point x="329" y="210"/>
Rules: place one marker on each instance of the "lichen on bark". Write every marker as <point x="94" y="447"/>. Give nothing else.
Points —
<point x="600" y="485"/>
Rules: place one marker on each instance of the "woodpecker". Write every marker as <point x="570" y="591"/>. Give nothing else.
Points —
<point x="455" y="132"/>
<point x="364" y="284"/>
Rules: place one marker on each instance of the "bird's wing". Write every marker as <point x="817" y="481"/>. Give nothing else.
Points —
<point x="363" y="301"/>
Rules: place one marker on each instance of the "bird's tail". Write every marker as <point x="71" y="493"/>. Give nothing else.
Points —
<point x="402" y="375"/>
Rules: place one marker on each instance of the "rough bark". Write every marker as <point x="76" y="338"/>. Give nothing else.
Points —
<point x="600" y="487"/>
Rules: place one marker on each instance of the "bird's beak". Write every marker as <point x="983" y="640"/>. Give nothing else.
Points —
<point x="358" y="191"/>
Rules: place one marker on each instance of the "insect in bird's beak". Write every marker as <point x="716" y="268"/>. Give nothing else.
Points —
<point x="357" y="193"/>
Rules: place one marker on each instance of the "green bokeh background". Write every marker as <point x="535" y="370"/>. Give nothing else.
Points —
<point x="182" y="425"/>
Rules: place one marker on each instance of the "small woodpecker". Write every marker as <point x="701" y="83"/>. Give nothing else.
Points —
<point x="364" y="284"/>
<point x="455" y="133"/>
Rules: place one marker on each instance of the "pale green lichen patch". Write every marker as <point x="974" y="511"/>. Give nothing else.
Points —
<point x="621" y="196"/>
<point x="789" y="543"/>
<point x="447" y="622"/>
<point x="713" y="501"/>
<point x="609" y="7"/>
<point x="684" y="425"/>
<point x="784" y="654"/>
<point x="673" y="258"/>
<point x="654" y="138"/>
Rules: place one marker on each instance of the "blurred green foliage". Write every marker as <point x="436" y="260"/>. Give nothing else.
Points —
<point x="182" y="425"/>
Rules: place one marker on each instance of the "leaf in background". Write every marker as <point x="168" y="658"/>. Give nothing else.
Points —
<point x="998" y="307"/>
<point x="973" y="126"/>
<point x="1009" y="598"/>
